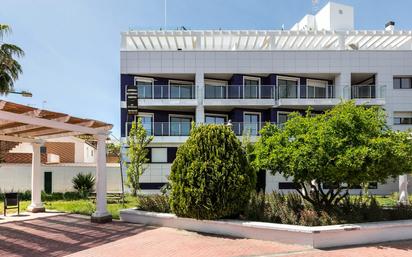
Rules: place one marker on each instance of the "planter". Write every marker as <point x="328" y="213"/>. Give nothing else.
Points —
<point x="317" y="237"/>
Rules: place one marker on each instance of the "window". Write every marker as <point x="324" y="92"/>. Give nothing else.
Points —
<point x="180" y="125"/>
<point x="144" y="88"/>
<point x="316" y="88"/>
<point x="215" y="119"/>
<point x="147" y="122"/>
<point x="215" y="89"/>
<point x="181" y="90"/>
<point x="402" y="82"/>
<point x="287" y="185"/>
<point x="251" y="123"/>
<point x="402" y="118"/>
<point x="251" y="87"/>
<point x="282" y="117"/>
<point x="288" y="87"/>
<point x="159" y="155"/>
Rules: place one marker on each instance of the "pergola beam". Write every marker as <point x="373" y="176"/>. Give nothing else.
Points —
<point x="47" y="123"/>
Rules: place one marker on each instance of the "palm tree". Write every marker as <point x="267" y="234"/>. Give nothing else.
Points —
<point x="9" y="67"/>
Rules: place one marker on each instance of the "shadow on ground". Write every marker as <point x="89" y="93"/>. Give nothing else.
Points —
<point x="60" y="235"/>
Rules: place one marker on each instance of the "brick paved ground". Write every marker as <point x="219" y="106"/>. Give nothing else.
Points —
<point x="64" y="234"/>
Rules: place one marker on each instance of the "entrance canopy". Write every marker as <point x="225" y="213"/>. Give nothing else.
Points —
<point x="22" y="123"/>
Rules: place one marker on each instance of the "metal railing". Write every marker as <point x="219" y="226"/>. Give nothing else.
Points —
<point x="166" y="91"/>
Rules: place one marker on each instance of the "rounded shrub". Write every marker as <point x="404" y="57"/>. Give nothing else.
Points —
<point x="210" y="177"/>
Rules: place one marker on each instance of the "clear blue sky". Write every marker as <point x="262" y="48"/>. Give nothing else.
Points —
<point x="72" y="46"/>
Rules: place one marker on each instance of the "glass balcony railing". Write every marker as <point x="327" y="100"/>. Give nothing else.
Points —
<point x="166" y="91"/>
<point x="269" y="91"/>
<point x="305" y="92"/>
<point x="367" y="91"/>
<point x="248" y="128"/>
<point x="240" y="92"/>
<point x="183" y="128"/>
<point x="164" y="128"/>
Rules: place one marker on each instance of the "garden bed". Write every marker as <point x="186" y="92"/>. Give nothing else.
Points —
<point x="315" y="236"/>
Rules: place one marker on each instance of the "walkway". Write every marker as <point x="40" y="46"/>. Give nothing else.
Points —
<point x="74" y="235"/>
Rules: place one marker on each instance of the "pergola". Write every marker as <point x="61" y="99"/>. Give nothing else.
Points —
<point x="22" y="123"/>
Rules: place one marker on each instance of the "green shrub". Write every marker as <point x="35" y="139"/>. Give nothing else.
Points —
<point x="210" y="177"/>
<point x="154" y="203"/>
<point x="292" y="209"/>
<point x="83" y="183"/>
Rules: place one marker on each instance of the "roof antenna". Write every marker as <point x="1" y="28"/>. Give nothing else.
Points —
<point x="315" y="6"/>
<point x="165" y="25"/>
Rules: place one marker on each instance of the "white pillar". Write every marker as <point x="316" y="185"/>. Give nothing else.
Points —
<point x="403" y="189"/>
<point x="101" y="214"/>
<point x="200" y="89"/>
<point x="36" y="179"/>
<point x="343" y="85"/>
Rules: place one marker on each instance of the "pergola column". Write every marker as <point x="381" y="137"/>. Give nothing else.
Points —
<point x="101" y="215"/>
<point x="36" y="178"/>
<point x="403" y="189"/>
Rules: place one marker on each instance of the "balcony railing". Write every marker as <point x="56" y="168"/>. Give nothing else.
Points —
<point x="367" y="91"/>
<point x="164" y="128"/>
<point x="269" y="92"/>
<point x="183" y="128"/>
<point x="166" y="91"/>
<point x="305" y="92"/>
<point x="240" y="92"/>
<point x="248" y="128"/>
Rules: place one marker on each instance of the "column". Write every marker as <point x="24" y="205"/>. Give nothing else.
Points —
<point x="36" y="180"/>
<point x="101" y="215"/>
<point x="200" y="90"/>
<point x="343" y="85"/>
<point x="403" y="189"/>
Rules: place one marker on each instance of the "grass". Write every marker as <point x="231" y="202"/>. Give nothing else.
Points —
<point x="85" y="207"/>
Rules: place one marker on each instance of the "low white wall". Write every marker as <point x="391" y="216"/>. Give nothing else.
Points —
<point x="317" y="237"/>
<point x="17" y="177"/>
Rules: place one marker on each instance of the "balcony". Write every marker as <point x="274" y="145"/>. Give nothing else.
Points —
<point x="178" y="132"/>
<point x="248" y="128"/>
<point x="165" y="131"/>
<point x="235" y="95"/>
<point x="306" y="95"/>
<point x="368" y="94"/>
<point x="164" y="95"/>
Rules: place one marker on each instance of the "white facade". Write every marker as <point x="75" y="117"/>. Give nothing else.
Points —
<point x="360" y="65"/>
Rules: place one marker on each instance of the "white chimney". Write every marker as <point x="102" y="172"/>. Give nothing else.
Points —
<point x="390" y="26"/>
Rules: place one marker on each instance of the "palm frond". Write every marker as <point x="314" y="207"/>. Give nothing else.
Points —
<point x="12" y="50"/>
<point x="4" y="29"/>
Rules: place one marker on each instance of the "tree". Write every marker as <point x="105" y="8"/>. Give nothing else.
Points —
<point x="137" y="141"/>
<point x="10" y="69"/>
<point x="211" y="177"/>
<point x="330" y="153"/>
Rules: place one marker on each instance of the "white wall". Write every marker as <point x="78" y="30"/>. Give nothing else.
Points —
<point x="272" y="184"/>
<point x="17" y="177"/>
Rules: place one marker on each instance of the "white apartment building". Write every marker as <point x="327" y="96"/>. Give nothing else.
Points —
<point x="250" y="77"/>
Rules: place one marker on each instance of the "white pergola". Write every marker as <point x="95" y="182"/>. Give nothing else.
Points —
<point x="21" y="123"/>
<point x="256" y="40"/>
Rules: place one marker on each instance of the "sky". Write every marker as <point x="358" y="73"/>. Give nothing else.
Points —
<point x="72" y="61"/>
